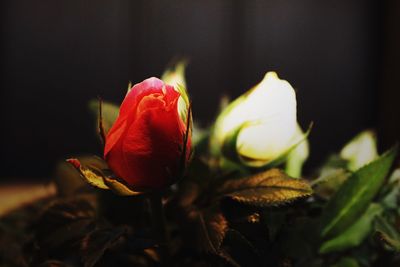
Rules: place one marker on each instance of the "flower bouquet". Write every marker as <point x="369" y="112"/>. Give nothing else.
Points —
<point x="166" y="192"/>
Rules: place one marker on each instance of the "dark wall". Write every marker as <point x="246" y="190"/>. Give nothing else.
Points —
<point x="57" y="55"/>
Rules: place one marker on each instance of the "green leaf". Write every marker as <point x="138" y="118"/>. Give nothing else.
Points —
<point x="110" y="113"/>
<point x="355" y="195"/>
<point x="387" y="233"/>
<point x="355" y="234"/>
<point x="268" y="188"/>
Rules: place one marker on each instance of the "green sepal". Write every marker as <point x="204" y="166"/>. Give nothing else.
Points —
<point x="229" y="146"/>
<point x="119" y="188"/>
<point x="97" y="178"/>
<point x="297" y="157"/>
<point x="109" y="113"/>
<point x="175" y="76"/>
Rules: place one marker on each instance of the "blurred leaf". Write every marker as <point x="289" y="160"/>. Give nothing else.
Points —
<point x="355" y="234"/>
<point x="329" y="182"/>
<point x="67" y="179"/>
<point x="198" y="171"/>
<point x="240" y="250"/>
<point x="298" y="238"/>
<point x="274" y="220"/>
<point x="334" y="161"/>
<point x="54" y="263"/>
<point x="388" y="233"/>
<point x="63" y="223"/>
<point x="360" y="151"/>
<point x="211" y="227"/>
<point x="355" y="195"/>
<point x="395" y="177"/>
<point x="227" y="258"/>
<point x="188" y="193"/>
<point x="331" y="176"/>
<point x="108" y="244"/>
<point x="199" y="136"/>
<point x="346" y="262"/>
<point x="66" y="234"/>
<point x="94" y="245"/>
<point x="12" y="238"/>
<point x="230" y="169"/>
<point x="68" y="210"/>
<point x="214" y="229"/>
<point x="110" y="113"/>
<point x="391" y="194"/>
<point x="175" y="75"/>
<point x="271" y="187"/>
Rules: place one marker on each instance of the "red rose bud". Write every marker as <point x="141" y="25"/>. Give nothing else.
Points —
<point x="145" y="145"/>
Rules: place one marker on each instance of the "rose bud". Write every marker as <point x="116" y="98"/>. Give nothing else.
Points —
<point x="148" y="146"/>
<point x="259" y="128"/>
<point x="360" y="151"/>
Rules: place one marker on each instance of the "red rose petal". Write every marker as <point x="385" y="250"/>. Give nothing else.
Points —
<point x="144" y="145"/>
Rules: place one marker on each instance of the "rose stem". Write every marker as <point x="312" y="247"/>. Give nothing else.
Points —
<point x="158" y="223"/>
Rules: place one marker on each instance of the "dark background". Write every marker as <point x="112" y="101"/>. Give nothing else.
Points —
<point x="341" y="56"/>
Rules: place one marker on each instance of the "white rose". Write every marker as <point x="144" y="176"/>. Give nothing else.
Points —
<point x="261" y="123"/>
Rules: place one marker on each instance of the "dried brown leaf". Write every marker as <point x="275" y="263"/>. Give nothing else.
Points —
<point x="211" y="229"/>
